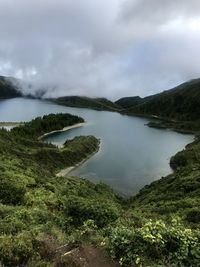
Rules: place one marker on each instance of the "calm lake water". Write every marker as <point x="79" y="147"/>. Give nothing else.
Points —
<point x="131" y="154"/>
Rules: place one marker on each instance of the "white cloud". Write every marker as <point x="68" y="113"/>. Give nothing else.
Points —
<point x="100" y="48"/>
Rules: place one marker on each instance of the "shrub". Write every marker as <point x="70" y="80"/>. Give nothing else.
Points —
<point x="81" y="209"/>
<point x="193" y="215"/>
<point x="16" y="250"/>
<point x="12" y="189"/>
<point x="155" y="243"/>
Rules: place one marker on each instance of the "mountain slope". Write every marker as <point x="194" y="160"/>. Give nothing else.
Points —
<point x="128" y="102"/>
<point x="87" y="102"/>
<point x="179" y="103"/>
<point x="7" y="88"/>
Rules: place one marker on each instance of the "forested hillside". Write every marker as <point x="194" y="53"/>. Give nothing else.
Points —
<point x="87" y="102"/>
<point x="128" y="102"/>
<point x="8" y="89"/>
<point x="180" y="103"/>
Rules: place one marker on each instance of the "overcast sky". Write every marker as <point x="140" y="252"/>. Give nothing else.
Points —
<point x="108" y="48"/>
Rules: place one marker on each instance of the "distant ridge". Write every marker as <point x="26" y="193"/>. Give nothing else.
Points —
<point x="128" y="102"/>
<point x="87" y="102"/>
<point x="180" y="103"/>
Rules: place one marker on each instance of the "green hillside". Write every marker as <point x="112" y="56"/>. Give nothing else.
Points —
<point x="87" y="102"/>
<point x="7" y="89"/>
<point x="38" y="211"/>
<point x="128" y="102"/>
<point x="51" y="221"/>
<point x="180" y="103"/>
<point x="48" y="220"/>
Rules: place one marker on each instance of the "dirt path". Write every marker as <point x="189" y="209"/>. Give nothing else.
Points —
<point x="86" y="256"/>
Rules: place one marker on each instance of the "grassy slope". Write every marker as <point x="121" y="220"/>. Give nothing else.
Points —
<point x="57" y="209"/>
<point x="86" y="102"/>
<point x="38" y="210"/>
<point x="178" y="193"/>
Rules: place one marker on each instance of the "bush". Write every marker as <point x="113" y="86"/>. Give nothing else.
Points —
<point x="155" y="243"/>
<point x="81" y="209"/>
<point x="16" y="250"/>
<point x="12" y="189"/>
<point x="193" y="215"/>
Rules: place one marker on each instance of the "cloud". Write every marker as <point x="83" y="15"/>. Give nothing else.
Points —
<point x="100" y="48"/>
<point x="156" y="12"/>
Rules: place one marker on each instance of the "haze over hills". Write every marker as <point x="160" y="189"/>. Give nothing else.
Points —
<point x="179" y="103"/>
<point x="8" y="89"/>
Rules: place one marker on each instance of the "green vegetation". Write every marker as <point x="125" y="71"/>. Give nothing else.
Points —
<point x="48" y="123"/>
<point x="128" y="102"/>
<point x="156" y="244"/>
<point x="177" y="108"/>
<point x="177" y="193"/>
<point x="87" y="102"/>
<point x="7" y="89"/>
<point x="154" y="239"/>
<point x="41" y="212"/>
<point x="161" y="224"/>
<point x="178" y="126"/>
<point x="180" y="105"/>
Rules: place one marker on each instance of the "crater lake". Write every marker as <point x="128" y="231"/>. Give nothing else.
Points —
<point x="131" y="154"/>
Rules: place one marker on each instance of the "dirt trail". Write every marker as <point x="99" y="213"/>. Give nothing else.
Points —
<point x="86" y="256"/>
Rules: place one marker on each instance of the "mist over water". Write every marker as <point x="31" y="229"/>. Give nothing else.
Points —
<point x="131" y="154"/>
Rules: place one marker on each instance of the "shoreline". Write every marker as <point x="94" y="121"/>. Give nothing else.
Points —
<point x="10" y="123"/>
<point x="64" y="172"/>
<point x="77" y="125"/>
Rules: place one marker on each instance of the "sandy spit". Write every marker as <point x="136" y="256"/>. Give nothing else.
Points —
<point x="63" y="130"/>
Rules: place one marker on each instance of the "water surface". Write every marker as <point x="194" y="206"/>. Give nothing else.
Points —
<point x="131" y="154"/>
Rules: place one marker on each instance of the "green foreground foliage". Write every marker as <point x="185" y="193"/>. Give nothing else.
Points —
<point x="39" y="212"/>
<point x="156" y="243"/>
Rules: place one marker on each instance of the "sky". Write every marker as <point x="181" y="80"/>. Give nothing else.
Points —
<point x="110" y="48"/>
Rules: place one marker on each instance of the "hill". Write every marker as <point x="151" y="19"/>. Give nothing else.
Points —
<point x="7" y="88"/>
<point x="87" y="102"/>
<point x="179" y="103"/>
<point x="128" y="102"/>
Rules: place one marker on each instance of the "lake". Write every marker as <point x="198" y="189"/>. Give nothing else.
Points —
<point x="131" y="154"/>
